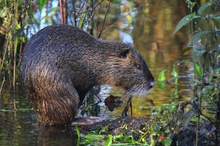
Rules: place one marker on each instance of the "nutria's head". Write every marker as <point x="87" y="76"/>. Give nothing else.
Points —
<point x="124" y="67"/>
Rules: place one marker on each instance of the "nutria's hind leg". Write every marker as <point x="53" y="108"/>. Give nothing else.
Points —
<point x="58" y="104"/>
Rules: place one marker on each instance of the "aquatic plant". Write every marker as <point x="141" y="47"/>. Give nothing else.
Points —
<point x="204" y="47"/>
<point x="12" y="36"/>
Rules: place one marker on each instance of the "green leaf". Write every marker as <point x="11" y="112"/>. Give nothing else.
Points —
<point x="197" y="36"/>
<point x="89" y="138"/>
<point x="2" y="3"/>
<point x="53" y="10"/>
<point x="187" y="117"/>
<point x="109" y="141"/>
<point x="50" y="11"/>
<point x="161" y="76"/>
<point x="172" y="107"/>
<point x="174" y="73"/>
<point x="186" y="49"/>
<point x="185" y="20"/>
<point x="175" y="93"/>
<point x="204" y="7"/>
<point x="115" y="1"/>
<point x="82" y="20"/>
<point x="161" y="85"/>
<point x="216" y="20"/>
<point x="198" y="70"/>
<point x="78" y="134"/>
<point x="217" y="65"/>
<point x="197" y="53"/>
<point x="3" y="12"/>
<point x="42" y="3"/>
<point x="129" y="19"/>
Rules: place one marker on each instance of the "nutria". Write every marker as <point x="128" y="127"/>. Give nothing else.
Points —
<point x="61" y="63"/>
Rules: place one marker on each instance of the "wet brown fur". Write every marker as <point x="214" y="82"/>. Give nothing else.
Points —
<point x="61" y="63"/>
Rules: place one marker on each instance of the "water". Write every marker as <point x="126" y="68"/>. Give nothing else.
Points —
<point x="149" y="27"/>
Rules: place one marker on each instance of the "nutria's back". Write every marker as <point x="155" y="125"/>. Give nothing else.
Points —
<point x="61" y="63"/>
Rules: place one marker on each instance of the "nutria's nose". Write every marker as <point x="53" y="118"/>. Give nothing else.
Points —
<point x="151" y="84"/>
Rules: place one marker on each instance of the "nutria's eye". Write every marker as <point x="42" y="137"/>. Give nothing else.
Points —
<point x="138" y="66"/>
<point x="124" y="54"/>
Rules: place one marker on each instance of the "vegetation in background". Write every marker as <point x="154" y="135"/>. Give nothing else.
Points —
<point x="12" y="16"/>
<point x="205" y="50"/>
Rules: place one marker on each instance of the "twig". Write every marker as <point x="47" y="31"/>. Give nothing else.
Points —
<point x="125" y="111"/>
<point x="107" y="8"/>
<point x="74" y="13"/>
<point x="3" y="81"/>
<point x="63" y="11"/>
<point x="96" y="5"/>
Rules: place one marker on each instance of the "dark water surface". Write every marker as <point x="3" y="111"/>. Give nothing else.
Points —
<point x="151" y="32"/>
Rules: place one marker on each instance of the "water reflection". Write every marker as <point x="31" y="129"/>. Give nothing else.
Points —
<point x="149" y="27"/>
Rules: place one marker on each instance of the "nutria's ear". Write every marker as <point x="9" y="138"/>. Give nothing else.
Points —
<point x="124" y="53"/>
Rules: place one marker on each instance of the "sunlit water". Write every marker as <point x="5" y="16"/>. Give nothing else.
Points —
<point x="150" y="29"/>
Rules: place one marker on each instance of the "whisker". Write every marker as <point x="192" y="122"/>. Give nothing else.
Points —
<point x="139" y="90"/>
